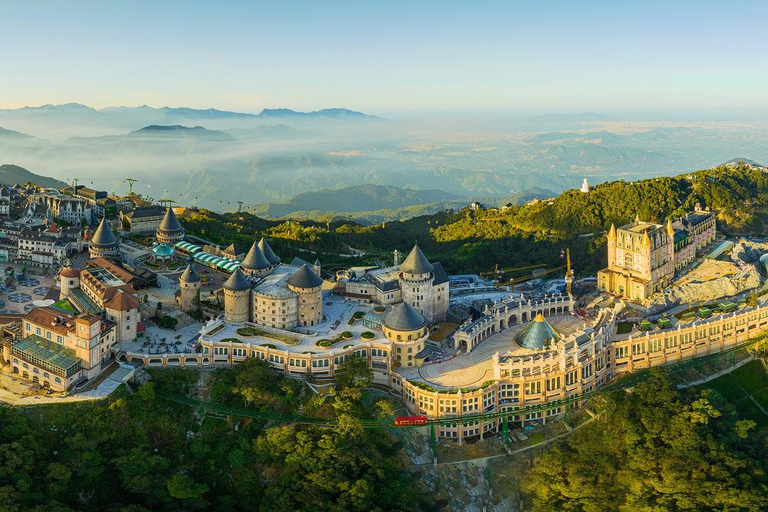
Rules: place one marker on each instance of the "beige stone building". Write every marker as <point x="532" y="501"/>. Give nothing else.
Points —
<point x="643" y="256"/>
<point x="416" y="281"/>
<point x="265" y="292"/>
<point x="72" y="340"/>
<point x="407" y="329"/>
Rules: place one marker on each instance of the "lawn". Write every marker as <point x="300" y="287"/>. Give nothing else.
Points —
<point x="64" y="305"/>
<point x="753" y="379"/>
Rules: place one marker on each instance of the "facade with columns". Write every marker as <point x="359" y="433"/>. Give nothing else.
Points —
<point x="507" y="313"/>
<point x="579" y="363"/>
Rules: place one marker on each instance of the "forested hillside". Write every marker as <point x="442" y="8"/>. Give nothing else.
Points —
<point x="139" y="453"/>
<point x="469" y="240"/>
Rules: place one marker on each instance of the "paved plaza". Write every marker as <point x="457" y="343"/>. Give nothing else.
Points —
<point x="19" y="296"/>
<point x="471" y="370"/>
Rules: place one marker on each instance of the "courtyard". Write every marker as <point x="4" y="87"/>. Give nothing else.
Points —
<point x="471" y="370"/>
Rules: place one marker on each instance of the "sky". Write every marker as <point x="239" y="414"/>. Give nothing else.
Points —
<point x="386" y="57"/>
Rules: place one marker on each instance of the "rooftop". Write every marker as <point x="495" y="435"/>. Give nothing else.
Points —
<point x="54" y="356"/>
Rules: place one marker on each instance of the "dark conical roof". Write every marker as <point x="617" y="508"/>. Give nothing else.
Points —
<point x="537" y="334"/>
<point x="190" y="275"/>
<point x="237" y="282"/>
<point x="416" y="262"/>
<point x="405" y="318"/>
<point x="233" y="249"/>
<point x="170" y="223"/>
<point x="305" y="278"/>
<point x="255" y="259"/>
<point x="103" y="237"/>
<point x="268" y="253"/>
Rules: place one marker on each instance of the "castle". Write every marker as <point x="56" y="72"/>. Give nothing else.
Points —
<point x="264" y="291"/>
<point x="415" y="281"/>
<point x="643" y="257"/>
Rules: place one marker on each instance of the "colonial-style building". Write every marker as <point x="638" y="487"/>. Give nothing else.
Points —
<point x="142" y="220"/>
<point x="643" y="256"/>
<point x="71" y="341"/>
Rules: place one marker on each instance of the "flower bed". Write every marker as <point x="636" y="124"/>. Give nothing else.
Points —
<point x="367" y="335"/>
<point x="326" y="343"/>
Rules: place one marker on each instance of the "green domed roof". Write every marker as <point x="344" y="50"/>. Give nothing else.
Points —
<point x="404" y="318"/>
<point x="103" y="237"/>
<point x="305" y="278"/>
<point x="416" y="262"/>
<point x="537" y="335"/>
<point x="237" y="282"/>
<point x="163" y="250"/>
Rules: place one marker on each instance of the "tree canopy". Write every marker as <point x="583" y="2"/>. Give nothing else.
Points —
<point x="656" y="449"/>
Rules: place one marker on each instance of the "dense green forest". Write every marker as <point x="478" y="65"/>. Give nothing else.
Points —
<point x="136" y="452"/>
<point x="475" y="240"/>
<point x="656" y="449"/>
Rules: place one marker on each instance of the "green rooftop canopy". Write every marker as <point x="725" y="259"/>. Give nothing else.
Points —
<point x="47" y="355"/>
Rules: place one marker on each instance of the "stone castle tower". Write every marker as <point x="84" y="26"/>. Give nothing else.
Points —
<point x="308" y="285"/>
<point x="189" y="282"/>
<point x="237" y="298"/>
<point x="416" y="279"/>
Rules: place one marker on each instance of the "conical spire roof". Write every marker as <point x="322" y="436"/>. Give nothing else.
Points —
<point x="404" y="318"/>
<point x="103" y="237"/>
<point x="255" y="259"/>
<point x="170" y="223"/>
<point x="637" y="218"/>
<point x="305" y="278"/>
<point x="670" y="228"/>
<point x="612" y="232"/>
<point x="268" y="253"/>
<point x="237" y="282"/>
<point x="646" y="239"/>
<point x="190" y="275"/>
<point x="416" y="262"/>
<point x="537" y="334"/>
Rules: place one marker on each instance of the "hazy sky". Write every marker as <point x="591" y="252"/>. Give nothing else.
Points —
<point x="383" y="57"/>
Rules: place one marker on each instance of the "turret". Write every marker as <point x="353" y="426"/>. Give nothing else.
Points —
<point x="189" y="284"/>
<point x="237" y="295"/>
<point x="670" y="231"/>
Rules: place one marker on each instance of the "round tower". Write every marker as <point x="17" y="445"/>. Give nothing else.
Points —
<point x="308" y="286"/>
<point x="416" y="278"/>
<point x="255" y="262"/>
<point x="104" y="244"/>
<point x="69" y="279"/>
<point x="169" y="231"/>
<point x="189" y="296"/>
<point x="237" y="298"/>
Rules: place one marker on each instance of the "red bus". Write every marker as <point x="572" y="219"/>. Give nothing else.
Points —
<point x="407" y="421"/>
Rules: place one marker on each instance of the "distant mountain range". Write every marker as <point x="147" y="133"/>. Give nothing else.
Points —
<point x="570" y="118"/>
<point x="12" y="174"/>
<point x="740" y="160"/>
<point x="77" y="120"/>
<point x="359" y="198"/>
<point x="180" y="131"/>
<point x="10" y="134"/>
